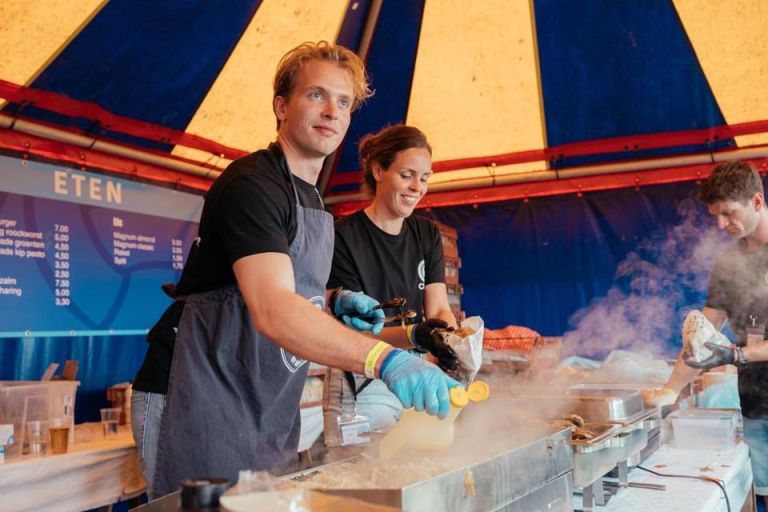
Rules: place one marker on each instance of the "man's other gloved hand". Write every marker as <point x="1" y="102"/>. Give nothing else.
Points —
<point x="720" y="356"/>
<point x="357" y="311"/>
<point x="428" y="336"/>
<point x="418" y="384"/>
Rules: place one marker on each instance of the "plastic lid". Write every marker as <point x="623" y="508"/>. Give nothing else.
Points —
<point x="704" y="414"/>
<point x="459" y="397"/>
<point x="478" y="391"/>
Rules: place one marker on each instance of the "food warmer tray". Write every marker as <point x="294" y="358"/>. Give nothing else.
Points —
<point x="531" y="476"/>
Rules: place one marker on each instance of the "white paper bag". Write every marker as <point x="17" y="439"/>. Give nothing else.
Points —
<point x="697" y="330"/>
<point x="469" y="349"/>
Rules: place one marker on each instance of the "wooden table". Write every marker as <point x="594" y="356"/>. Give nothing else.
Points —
<point x="95" y="472"/>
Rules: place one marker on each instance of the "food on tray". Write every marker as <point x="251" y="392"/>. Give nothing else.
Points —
<point x="367" y="473"/>
<point x="577" y="424"/>
<point x="469" y="484"/>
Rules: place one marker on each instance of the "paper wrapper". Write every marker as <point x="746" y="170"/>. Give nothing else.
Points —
<point x="468" y="348"/>
<point x="697" y="330"/>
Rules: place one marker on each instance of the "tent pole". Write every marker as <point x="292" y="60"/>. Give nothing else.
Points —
<point x="88" y="142"/>
<point x="362" y="51"/>
<point x="577" y="172"/>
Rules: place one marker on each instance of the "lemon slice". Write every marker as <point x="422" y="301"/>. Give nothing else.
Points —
<point x="459" y="397"/>
<point x="478" y="391"/>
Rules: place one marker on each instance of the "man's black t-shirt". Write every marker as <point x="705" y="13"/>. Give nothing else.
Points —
<point x="250" y="209"/>
<point x="738" y="285"/>
<point x="386" y="266"/>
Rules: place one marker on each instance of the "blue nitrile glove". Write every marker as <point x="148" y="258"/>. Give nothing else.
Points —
<point x="358" y="311"/>
<point x="418" y="384"/>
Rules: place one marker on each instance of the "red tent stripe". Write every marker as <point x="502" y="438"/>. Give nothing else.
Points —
<point x="63" y="105"/>
<point x="627" y="144"/>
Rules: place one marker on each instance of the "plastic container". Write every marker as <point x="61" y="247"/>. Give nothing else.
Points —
<point x="423" y="431"/>
<point x="704" y="429"/>
<point x="25" y="401"/>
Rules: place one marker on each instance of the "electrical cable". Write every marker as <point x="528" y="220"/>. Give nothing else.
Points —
<point x="714" y="480"/>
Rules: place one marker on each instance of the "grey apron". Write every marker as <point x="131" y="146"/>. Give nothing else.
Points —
<point x="233" y="395"/>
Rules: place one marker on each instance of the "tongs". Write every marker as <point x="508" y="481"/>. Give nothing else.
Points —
<point x="401" y="317"/>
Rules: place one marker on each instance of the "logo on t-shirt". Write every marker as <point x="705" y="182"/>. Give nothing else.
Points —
<point x="421" y="270"/>
<point x="290" y="361"/>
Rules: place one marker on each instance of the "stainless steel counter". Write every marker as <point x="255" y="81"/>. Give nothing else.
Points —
<point x="537" y="471"/>
<point x="532" y="476"/>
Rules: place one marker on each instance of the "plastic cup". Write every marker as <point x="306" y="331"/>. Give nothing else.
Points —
<point x="59" y="431"/>
<point x="110" y="419"/>
<point x="37" y="436"/>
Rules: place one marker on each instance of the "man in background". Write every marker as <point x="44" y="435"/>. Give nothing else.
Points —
<point x="738" y="293"/>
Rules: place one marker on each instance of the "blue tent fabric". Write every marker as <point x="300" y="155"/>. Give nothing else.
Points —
<point x="157" y="72"/>
<point x="391" y="78"/>
<point x="619" y="56"/>
<point x="536" y="262"/>
<point x="135" y="56"/>
<point x="103" y="361"/>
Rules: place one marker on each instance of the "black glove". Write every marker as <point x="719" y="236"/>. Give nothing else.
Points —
<point x="427" y="336"/>
<point x="720" y="356"/>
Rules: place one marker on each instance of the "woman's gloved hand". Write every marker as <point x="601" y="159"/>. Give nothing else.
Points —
<point x="418" y="384"/>
<point x="720" y="356"/>
<point x="357" y="310"/>
<point x="428" y="336"/>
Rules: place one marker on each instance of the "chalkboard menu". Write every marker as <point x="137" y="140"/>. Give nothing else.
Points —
<point x="84" y="253"/>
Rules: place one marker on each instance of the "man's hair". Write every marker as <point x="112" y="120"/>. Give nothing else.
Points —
<point x="290" y="64"/>
<point x="382" y="148"/>
<point x="731" y="181"/>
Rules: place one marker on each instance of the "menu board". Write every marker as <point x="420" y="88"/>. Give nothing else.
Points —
<point x="84" y="253"/>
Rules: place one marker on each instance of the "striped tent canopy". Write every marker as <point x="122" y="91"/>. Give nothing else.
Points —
<point x="518" y="97"/>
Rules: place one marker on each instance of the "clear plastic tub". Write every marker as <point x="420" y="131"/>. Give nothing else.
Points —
<point x="23" y="401"/>
<point x="704" y="429"/>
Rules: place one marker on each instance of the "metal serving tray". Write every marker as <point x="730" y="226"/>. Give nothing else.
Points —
<point x="511" y="481"/>
<point x="606" y="404"/>
<point x="593" y="458"/>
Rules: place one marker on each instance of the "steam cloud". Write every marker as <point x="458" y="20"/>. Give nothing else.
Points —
<point x="655" y="287"/>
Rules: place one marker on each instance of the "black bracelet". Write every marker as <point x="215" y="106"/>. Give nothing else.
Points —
<point x="739" y="358"/>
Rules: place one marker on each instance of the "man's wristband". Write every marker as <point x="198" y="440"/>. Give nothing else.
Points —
<point x="373" y="356"/>
<point x="739" y="359"/>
